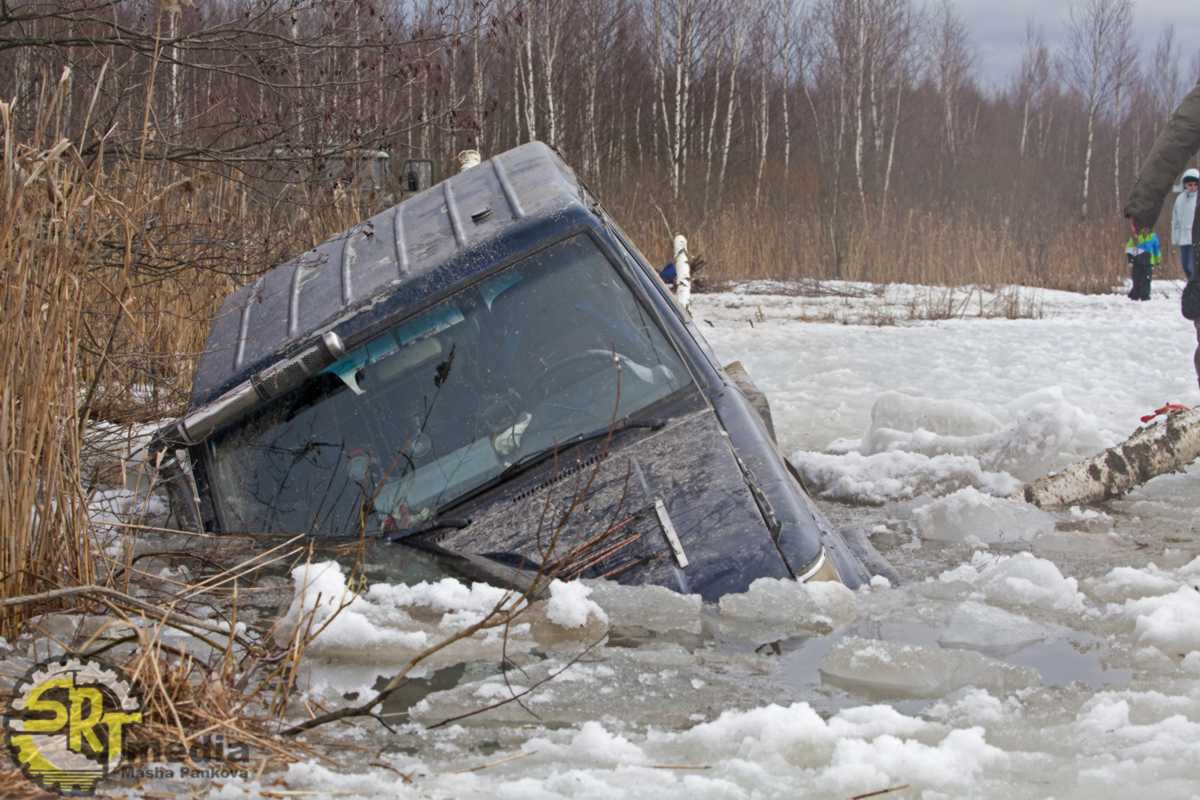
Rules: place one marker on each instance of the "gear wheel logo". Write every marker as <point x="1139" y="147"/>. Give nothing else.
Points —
<point x="67" y="724"/>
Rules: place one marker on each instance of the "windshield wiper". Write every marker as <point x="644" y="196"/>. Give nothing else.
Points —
<point x="435" y="524"/>
<point x="531" y="460"/>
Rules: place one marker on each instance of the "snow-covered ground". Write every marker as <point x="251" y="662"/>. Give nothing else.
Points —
<point x="1024" y="654"/>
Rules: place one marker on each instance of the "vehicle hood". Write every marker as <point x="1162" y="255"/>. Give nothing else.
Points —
<point x="593" y="512"/>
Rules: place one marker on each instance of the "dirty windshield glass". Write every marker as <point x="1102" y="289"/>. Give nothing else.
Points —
<point x="552" y="347"/>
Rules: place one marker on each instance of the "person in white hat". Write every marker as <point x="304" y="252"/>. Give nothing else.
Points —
<point x="1181" y="221"/>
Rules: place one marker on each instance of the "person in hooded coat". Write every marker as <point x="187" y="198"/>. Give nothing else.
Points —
<point x="1181" y="221"/>
<point x="1177" y="143"/>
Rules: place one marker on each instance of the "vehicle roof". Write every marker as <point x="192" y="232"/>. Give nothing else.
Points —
<point x="422" y="248"/>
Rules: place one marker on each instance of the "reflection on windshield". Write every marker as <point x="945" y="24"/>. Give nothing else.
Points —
<point x="551" y="347"/>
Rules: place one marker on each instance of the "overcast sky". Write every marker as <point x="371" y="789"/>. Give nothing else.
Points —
<point x="997" y="28"/>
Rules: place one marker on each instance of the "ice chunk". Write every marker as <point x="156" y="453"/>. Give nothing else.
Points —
<point x="1169" y="622"/>
<point x="892" y="669"/>
<point x="592" y="744"/>
<point x="627" y="683"/>
<point x="654" y="608"/>
<point x="783" y="606"/>
<point x="978" y="626"/>
<point x="1146" y="740"/>
<point x="1124" y="583"/>
<point x="438" y="596"/>
<point x="969" y="513"/>
<point x="957" y="761"/>
<point x="795" y="732"/>
<point x="1021" y="580"/>
<point x="570" y="607"/>
<point x="1088" y="520"/>
<point x="908" y="413"/>
<point x="974" y="707"/>
<point x="388" y="624"/>
<point x="340" y="617"/>
<point x="895" y="475"/>
<point x="1041" y="432"/>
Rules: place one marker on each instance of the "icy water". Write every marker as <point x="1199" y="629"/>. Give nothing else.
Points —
<point x="1022" y="654"/>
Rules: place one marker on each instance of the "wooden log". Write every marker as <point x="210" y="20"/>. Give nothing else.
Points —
<point x="1167" y="444"/>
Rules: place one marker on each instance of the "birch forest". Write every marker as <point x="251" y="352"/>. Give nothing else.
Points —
<point x="851" y="139"/>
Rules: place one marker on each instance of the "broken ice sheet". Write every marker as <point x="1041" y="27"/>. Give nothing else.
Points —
<point x="773" y="608"/>
<point x="969" y="514"/>
<point x="879" y="478"/>
<point x="890" y="669"/>
<point x="1019" y="581"/>
<point x="978" y="626"/>
<point x="612" y="682"/>
<point x="651" y="608"/>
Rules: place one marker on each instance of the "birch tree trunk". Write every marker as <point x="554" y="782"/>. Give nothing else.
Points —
<point x="739" y="42"/>
<point x="712" y="135"/>
<point x="764" y="132"/>
<point x="530" y="92"/>
<point x="1087" y="161"/>
<point x="176" y="108"/>
<point x="298" y="66"/>
<point x="860" y="69"/>
<point x="1163" y="446"/>
<point x="552" y="33"/>
<point x="891" y="156"/>
<point x="477" y="79"/>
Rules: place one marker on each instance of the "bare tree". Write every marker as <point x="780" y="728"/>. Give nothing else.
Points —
<point x="951" y="67"/>
<point x="1033" y="79"/>
<point x="1094" y="30"/>
<point x="1124" y="70"/>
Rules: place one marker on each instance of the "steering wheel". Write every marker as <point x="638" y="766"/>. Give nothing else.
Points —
<point x="572" y="369"/>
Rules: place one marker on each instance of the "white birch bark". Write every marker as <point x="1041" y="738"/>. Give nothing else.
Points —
<point x="764" y="133"/>
<point x="683" y="273"/>
<point x="298" y="67"/>
<point x="477" y="79"/>
<point x="530" y="92"/>
<point x="1087" y="161"/>
<point x="176" y="107"/>
<point x="739" y="42"/>
<point x="860" y="69"/>
<point x="1165" y="445"/>
<point x="551" y="36"/>
<point x="891" y="156"/>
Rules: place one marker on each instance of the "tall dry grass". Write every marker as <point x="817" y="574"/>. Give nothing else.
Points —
<point x="111" y="275"/>
<point x="932" y="248"/>
<point x="45" y="245"/>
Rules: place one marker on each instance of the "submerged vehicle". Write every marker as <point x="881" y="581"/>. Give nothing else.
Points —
<point x="491" y="372"/>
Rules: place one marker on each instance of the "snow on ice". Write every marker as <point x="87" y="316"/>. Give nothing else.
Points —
<point x="1024" y="654"/>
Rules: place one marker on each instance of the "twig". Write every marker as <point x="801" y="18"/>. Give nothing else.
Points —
<point x="496" y="763"/>
<point x="161" y="614"/>
<point x="519" y="695"/>
<point x="889" y="790"/>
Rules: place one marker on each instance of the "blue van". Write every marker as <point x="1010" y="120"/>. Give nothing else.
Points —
<point x="492" y="373"/>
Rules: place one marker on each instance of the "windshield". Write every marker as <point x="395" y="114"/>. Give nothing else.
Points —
<point x="552" y="347"/>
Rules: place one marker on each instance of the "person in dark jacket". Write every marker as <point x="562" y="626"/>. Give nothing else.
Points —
<point x="1144" y="255"/>
<point x="1174" y="146"/>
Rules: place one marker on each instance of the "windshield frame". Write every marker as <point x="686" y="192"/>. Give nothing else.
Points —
<point x="619" y="264"/>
